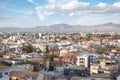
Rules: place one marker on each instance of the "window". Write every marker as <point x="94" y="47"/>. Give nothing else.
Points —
<point x="6" y="73"/>
<point x="108" y="64"/>
<point x="1" y="75"/>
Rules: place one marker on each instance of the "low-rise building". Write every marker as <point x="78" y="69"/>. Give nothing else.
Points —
<point x="88" y="78"/>
<point x="83" y="60"/>
<point x="4" y="73"/>
<point x="26" y="75"/>
<point x="118" y="78"/>
<point x="104" y="67"/>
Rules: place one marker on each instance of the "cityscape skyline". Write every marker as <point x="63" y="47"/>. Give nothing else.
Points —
<point x="31" y="13"/>
<point x="59" y="39"/>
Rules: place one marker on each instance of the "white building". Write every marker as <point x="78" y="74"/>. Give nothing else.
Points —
<point x="63" y="51"/>
<point x="118" y="78"/>
<point x="84" y="59"/>
<point x="40" y="35"/>
<point x="4" y="73"/>
<point x="115" y="43"/>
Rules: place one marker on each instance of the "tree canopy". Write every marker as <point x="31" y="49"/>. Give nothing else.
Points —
<point x="28" y="48"/>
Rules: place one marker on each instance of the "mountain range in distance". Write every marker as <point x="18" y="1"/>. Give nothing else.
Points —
<point x="58" y="28"/>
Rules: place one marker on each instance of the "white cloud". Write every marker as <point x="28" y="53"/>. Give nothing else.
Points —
<point x="50" y="7"/>
<point x="74" y="8"/>
<point x="51" y="1"/>
<point x="42" y="12"/>
<point x="100" y="8"/>
<point x="39" y="13"/>
<point x="74" y="5"/>
<point x="93" y="19"/>
<point x="72" y="14"/>
<point x="63" y="14"/>
<point x="105" y="8"/>
<point x="32" y="1"/>
<point x="116" y="5"/>
<point x="102" y="5"/>
<point x="47" y="13"/>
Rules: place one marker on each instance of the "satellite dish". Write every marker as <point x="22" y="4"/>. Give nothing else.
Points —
<point x="13" y="62"/>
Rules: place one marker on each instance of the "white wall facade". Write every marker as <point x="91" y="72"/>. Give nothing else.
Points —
<point x="4" y="75"/>
<point x="83" y="61"/>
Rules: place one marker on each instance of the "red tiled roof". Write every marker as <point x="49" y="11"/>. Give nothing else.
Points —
<point x="70" y="55"/>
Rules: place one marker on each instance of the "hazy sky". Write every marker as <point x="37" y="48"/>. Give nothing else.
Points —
<point x="31" y="13"/>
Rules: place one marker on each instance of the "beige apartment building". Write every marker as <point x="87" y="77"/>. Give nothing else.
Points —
<point x="105" y="66"/>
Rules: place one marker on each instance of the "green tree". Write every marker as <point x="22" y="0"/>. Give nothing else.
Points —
<point x="63" y="38"/>
<point x="28" y="48"/>
<point x="89" y="35"/>
<point x="5" y="52"/>
<point x="5" y="64"/>
<point x="51" y="58"/>
<point x="24" y="62"/>
<point x="47" y="49"/>
<point x="51" y="67"/>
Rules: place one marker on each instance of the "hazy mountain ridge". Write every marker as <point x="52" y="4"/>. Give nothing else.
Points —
<point x="107" y="27"/>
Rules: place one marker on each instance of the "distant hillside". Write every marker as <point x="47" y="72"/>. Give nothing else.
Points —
<point x="107" y="27"/>
<point x="10" y="29"/>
